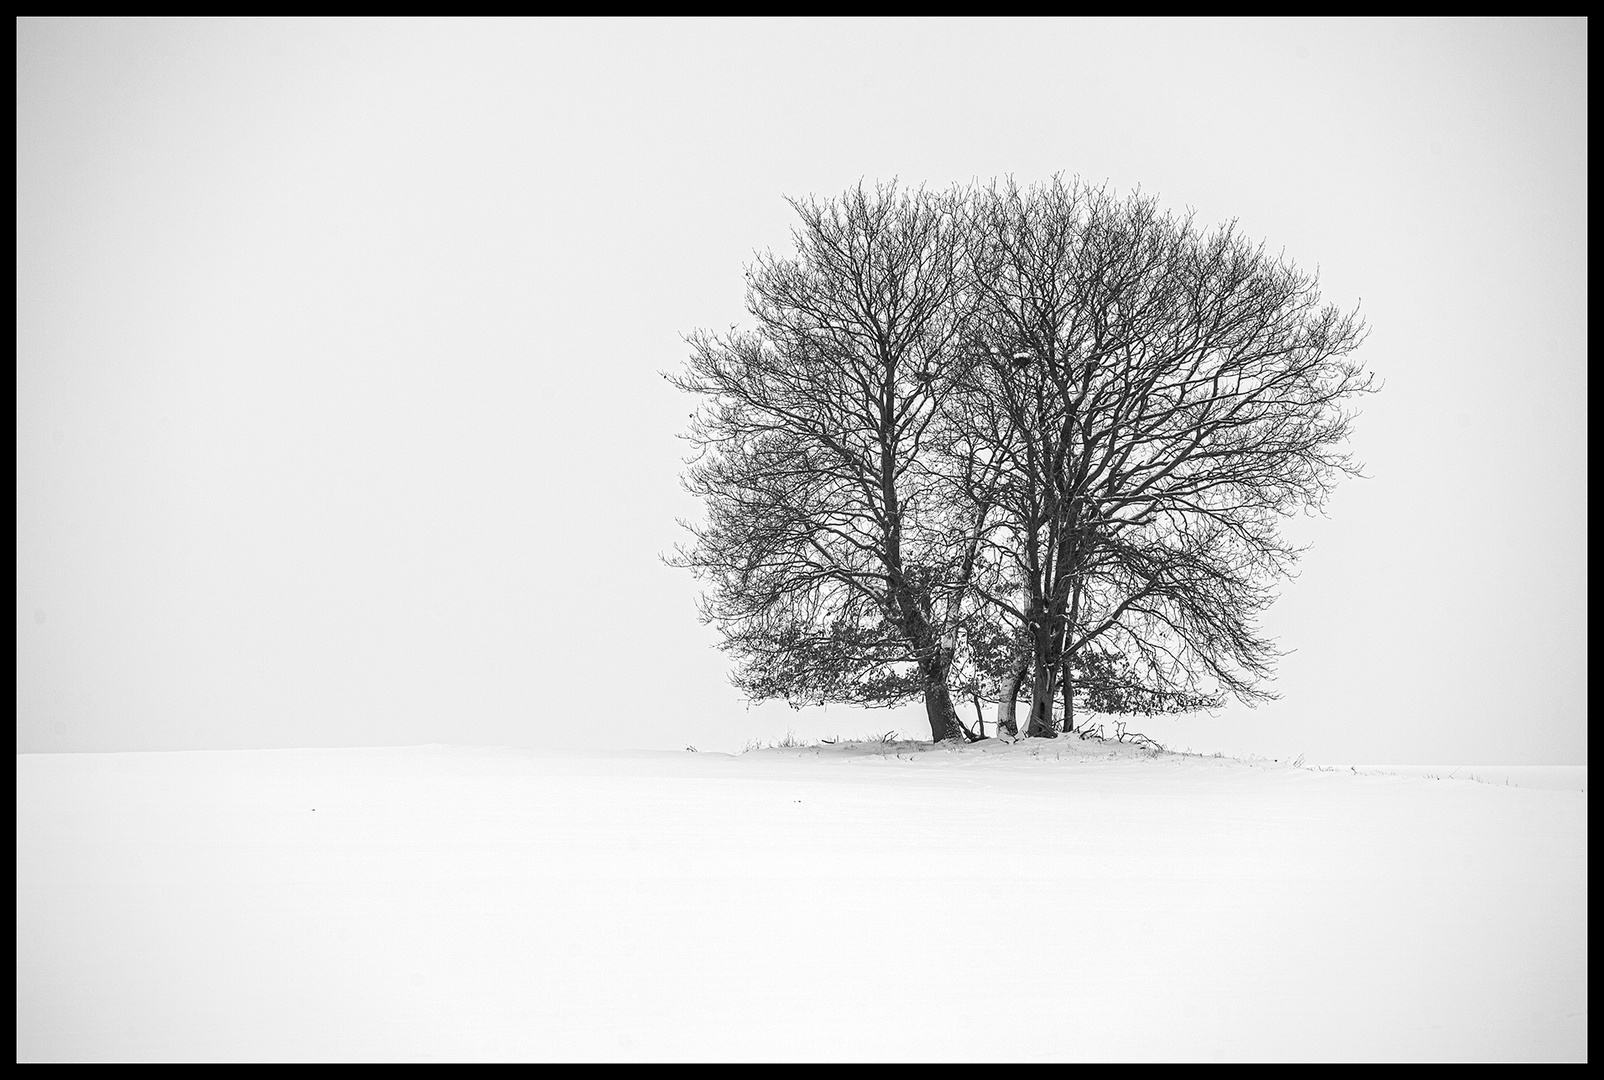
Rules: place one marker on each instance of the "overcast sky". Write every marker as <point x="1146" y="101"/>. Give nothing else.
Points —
<point x="339" y="416"/>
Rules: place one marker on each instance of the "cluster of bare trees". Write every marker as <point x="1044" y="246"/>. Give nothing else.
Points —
<point x="1011" y="442"/>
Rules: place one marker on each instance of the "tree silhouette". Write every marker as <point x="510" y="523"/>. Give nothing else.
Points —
<point x="1002" y="436"/>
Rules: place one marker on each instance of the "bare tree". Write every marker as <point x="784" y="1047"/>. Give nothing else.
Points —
<point x="1155" y="400"/>
<point x="1040" y="436"/>
<point x="835" y="563"/>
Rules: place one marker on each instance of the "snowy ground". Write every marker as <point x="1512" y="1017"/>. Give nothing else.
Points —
<point x="1048" y="900"/>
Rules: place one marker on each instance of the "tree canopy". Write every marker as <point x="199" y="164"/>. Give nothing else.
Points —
<point x="1011" y="440"/>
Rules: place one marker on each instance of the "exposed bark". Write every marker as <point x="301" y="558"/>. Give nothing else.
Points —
<point x="939" y="709"/>
<point x="1009" y="702"/>
<point x="1068" y="676"/>
<point x="1041" y="725"/>
<point x="1044" y="663"/>
<point x="1069" y="698"/>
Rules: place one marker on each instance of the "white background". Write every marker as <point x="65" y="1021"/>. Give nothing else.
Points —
<point x="339" y="417"/>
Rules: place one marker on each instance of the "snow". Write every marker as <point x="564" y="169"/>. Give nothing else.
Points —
<point x="1059" y="900"/>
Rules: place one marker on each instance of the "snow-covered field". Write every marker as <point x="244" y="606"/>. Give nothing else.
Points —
<point x="1047" y="900"/>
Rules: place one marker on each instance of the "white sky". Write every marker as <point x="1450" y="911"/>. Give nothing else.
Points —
<point x="338" y="410"/>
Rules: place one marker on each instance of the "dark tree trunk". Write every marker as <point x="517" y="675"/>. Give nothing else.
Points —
<point x="935" y="659"/>
<point x="1069" y="674"/>
<point x="1041" y="724"/>
<point x="934" y="666"/>
<point x="939" y="709"/>
<point x="1041" y="704"/>
<point x="1069" y="699"/>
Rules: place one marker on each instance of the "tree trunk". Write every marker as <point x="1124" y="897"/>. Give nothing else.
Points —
<point x="934" y="666"/>
<point x="1069" y="675"/>
<point x="943" y="716"/>
<point x="1009" y="702"/>
<point x="1069" y="699"/>
<point x="1041" y="688"/>
<point x="1041" y="703"/>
